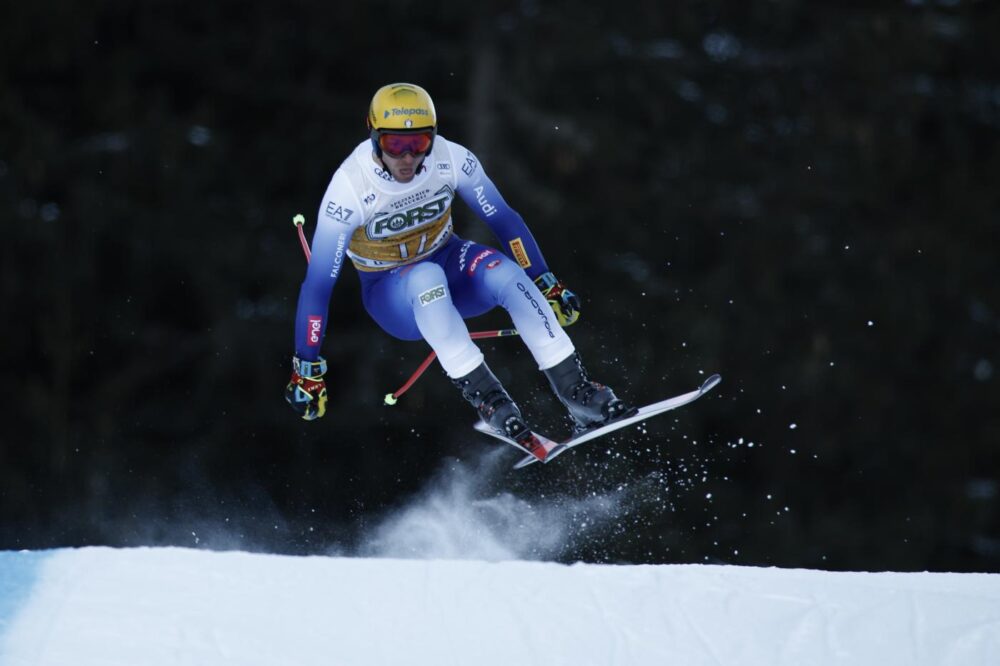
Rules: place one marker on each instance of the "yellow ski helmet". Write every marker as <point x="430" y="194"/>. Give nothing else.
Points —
<point x="401" y="108"/>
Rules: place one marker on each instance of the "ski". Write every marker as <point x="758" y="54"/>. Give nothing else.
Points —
<point x="545" y="450"/>
<point x="536" y="446"/>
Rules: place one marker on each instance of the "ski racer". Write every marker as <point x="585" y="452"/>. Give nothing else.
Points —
<point x="388" y="210"/>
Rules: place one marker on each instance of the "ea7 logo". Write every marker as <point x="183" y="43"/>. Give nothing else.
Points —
<point x="338" y="212"/>
<point x="313" y="330"/>
<point x="470" y="164"/>
<point x="431" y="295"/>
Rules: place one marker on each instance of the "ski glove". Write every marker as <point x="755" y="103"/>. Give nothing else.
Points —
<point x="564" y="302"/>
<point x="306" y="390"/>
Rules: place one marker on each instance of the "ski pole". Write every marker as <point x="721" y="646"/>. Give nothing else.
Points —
<point x="391" y="398"/>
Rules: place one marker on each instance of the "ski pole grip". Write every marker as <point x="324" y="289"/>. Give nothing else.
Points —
<point x="299" y="221"/>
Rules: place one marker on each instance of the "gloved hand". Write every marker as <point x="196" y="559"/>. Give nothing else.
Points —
<point x="306" y="390"/>
<point x="564" y="302"/>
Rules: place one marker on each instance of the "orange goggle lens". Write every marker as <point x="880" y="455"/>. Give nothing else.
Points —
<point x="397" y="145"/>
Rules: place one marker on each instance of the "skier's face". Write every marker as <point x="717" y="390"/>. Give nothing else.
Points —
<point x="404" y="167"/>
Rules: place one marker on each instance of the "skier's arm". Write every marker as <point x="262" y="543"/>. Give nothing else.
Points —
<point x="482" y="196"/>
<point x="339" y="215"/>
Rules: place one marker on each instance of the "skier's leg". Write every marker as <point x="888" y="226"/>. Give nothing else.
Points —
<point x="415" y="302"/>
<point x="483" y="278"/>
<point x="484" y="391"/>
<point x="492" y="278"/>
<point x="588" y="402"/>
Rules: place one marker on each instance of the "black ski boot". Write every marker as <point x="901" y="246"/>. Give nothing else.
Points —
<point x="484" y="392"/>
<point x="588" y="402"/>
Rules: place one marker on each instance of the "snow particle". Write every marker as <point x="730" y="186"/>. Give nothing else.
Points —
<point x="199" y="135"/>
<point x="50" y="212"/>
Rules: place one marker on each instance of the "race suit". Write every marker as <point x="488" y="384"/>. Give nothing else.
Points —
<point x="419" y="279"/>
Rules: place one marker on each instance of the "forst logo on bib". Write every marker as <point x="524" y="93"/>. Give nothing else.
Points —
<point x="313" y="331"/>
<point x="387" y="225"/>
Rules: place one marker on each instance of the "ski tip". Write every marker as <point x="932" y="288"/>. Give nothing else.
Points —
<point x="710" y="383"/>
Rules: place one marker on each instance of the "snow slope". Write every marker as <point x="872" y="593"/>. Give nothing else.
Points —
<point x="160" y="606"/>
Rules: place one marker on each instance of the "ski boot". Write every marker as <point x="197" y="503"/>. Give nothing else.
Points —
<point x="484" y="392"/>
<point x="589" y="403"/>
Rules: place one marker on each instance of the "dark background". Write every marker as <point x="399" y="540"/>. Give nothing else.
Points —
<point x="800" y="196"/>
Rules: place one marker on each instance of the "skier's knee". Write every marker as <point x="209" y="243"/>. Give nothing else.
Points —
<point x="424" y="275"/>
<point x="426" y="283"/>
<point x="508" y="283"/>
<point x="501" y="273"/>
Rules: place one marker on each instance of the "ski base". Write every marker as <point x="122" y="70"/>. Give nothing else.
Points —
<point x="543" y="449"/>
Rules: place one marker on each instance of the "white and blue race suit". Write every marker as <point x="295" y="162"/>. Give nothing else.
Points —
<point x="419" y="279"/>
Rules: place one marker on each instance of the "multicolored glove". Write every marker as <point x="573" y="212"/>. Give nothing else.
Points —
<point x="564" y="302"/>
<point x="306" y="390"/>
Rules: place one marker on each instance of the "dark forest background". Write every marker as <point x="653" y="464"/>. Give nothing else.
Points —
<point x="800" y="196"/>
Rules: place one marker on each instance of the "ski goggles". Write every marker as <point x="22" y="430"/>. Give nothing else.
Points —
<point x="397" y="145"/>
